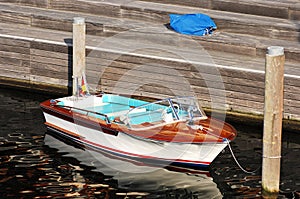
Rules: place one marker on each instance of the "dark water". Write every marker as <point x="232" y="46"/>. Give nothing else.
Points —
<point x="35" y="164"/>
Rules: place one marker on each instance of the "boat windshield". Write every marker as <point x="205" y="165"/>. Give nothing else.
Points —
<point x="164" y="112"/>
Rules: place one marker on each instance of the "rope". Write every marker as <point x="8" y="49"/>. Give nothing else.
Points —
<point x="237" y="162"/>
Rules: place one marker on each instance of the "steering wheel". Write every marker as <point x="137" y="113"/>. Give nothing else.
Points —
<point x="167" y="113"/>
<point x="169" y="109"/>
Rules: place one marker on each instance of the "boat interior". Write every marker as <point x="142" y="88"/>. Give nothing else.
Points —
<point x="134" y="112"/>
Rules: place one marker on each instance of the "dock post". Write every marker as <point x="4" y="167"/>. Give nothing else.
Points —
<point x="78" y="51"/>
<point x="273" y="113"/>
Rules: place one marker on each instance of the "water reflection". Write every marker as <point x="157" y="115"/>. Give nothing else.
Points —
<point x="140" y="180"/>
<point x="30" y="169"/>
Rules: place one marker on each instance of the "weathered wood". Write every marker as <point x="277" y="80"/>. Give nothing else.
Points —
<point x="14" y="74"/>
<point x="15" y="59"/>
<point x="51" y="23"/>
<point x="14" y="55"/>
<point x="37" y="3"/>
<point x="279" y="9"/>
<point x="203" y="91"/>
<point x="59" y="75"/>
<point x="175" y="81"/>
<point x="50" y="46"/>
<point x="14" y="49"/>
<point x="145" y="11"/>
<point x="49" y="54"/>
<point x="14" y="17"/>
<point x="55" y="82"/>
<point x="249" y="85"/>
<point x="291" y="106"/>
<point x="45" y="60"/>
<point x="78" y="61"/>
<point x="254" y="8"/>
<point x="49" y="67"/>
<point x="191" y="3"/>
<point x="98" y="8"/>
<point x="230" y="42"/>
<point x="295" y="12"/>
<point x="20" y="70"/>
<point x="273" y="114"/>
<point x="14" y="42"/>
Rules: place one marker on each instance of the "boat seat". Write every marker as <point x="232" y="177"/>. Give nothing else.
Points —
<point x="142" y="117"/>
<point x="109" y="108"/>
<point x="115" y="99"/>
<point x="108" y="98"/>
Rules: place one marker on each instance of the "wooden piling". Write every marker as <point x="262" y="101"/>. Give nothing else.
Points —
<point x="79" y="30"/>
<point x="273" y="112"/>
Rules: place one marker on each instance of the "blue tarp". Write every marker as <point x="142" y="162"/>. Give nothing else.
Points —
<point x="192" y="24"/>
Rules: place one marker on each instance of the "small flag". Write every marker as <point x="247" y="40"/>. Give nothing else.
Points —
<point x="84" y="87"/>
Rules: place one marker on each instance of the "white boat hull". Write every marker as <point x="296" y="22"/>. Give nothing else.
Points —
<point x="127" y="146"/>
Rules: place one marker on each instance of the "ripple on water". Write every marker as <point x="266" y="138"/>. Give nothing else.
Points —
<point x="35" y="166"/>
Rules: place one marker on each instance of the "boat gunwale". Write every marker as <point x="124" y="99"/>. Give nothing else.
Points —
<point x="115" y="128"/>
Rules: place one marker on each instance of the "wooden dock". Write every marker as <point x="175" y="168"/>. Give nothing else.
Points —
<point x="131" y="50"/>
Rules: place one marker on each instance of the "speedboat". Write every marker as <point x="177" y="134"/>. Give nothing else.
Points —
<point x="171" y="131"/>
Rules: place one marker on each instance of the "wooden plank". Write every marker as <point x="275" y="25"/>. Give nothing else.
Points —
<point x="294" y="13"/>
<point x="255" y="8"/>
<point x="14" y="42"/>
<point x="13" y="72"/>
<point x="256" y="86"/>
<point x="292" y="105"/>
<point x="48" y="80"/>
<point x="221" y="18"/>
<point x="14" y="17"/>
<point x="291" y="81"/>
<point x="235" y="84"/>
<point x="167" y="88"/>
<point x="169" y="77"/>
<point x="51" y="46"/>
<point x="14" y="59"/>
<point x="191" y="3"/>
<point x="106" y="77"/>
<point x="292" y="95"/>
<point x="51" y="23"/>
<point x="224" y="71"/>
<point x="49" y="54"/>
<point x="291" y="112"/>
<point x="133" y="62"/>
<point x="227" y="47"/>
<point x="36" y="58"/>
<point x="91" y="7"/>
<point x="14" y="55"/>
<point x="144" y="14"/>
<point x="17" y="69"/>
<point x="49" y="73"/>
<point x="37" y="3"/>
<point x="14" y="49"/>
<point x="228" y="93"/>
<point x="50" y="67"/>
<point x="137" y="83"/>
<point x="129" y="61"/>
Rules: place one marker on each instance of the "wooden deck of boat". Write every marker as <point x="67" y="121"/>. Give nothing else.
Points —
<point x="131" y="36"/>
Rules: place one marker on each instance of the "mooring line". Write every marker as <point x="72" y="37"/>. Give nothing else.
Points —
<point x="228" y="143"/>
<point x="237" y="162"/>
